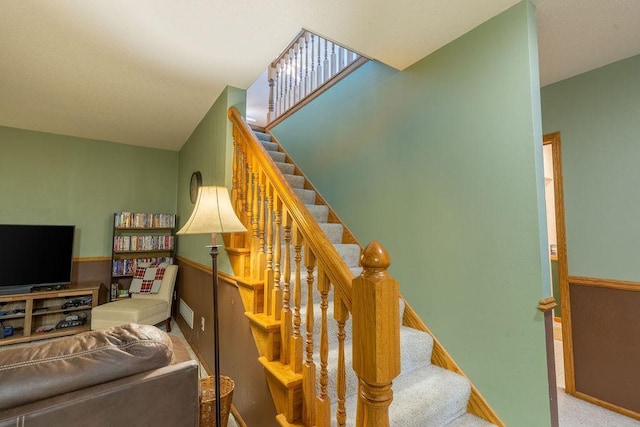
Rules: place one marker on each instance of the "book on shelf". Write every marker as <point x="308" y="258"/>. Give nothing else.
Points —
<point x="131" y="243"/>
<point x="144" y="220"/>
<point x="127" y="266"/>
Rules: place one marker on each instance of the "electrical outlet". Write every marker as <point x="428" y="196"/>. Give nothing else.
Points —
<point x="202" y="323"/>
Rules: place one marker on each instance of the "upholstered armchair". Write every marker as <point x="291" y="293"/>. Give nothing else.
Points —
<point x="144" y="309"/>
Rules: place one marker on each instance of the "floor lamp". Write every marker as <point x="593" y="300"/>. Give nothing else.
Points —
<point x="212" y="214"/>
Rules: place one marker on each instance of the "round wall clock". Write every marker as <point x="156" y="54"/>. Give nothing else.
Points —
<point x="196" y="182"/>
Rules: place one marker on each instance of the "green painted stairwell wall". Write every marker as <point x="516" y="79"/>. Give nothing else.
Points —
<point x="209" y="150"/>
<point x="441" y="163"/>
<point x="597" y="114"/>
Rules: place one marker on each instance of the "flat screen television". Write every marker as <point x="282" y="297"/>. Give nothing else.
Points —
<point x="35" y="256"/>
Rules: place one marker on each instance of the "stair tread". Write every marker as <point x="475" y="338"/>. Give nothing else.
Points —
<point x="307" y="196"/>
<point x="269" y="146"/>
<point x="319" y="212"/>
<point x="430" y="396"/>
<point x="281" y="372"/>
<point x="277" y="156"/>
<point x="264" y="321"/>
<point x="296" y="181"/>
<point x="286" y="167"/>
<point x="415" y="353"/>
<point x="262" y="136"/>
<point x="333" y="231"/>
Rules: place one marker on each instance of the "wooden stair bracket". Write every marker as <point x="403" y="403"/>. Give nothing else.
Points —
<point x="376" y="336"/>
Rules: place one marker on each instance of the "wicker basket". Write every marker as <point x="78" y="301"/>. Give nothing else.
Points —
<point x="208" y="400"/>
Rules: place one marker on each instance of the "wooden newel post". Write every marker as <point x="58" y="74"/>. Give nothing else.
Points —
<point x="376" y="336"/>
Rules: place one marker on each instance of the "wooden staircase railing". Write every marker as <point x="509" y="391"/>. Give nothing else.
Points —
<point x="285" y="244"/>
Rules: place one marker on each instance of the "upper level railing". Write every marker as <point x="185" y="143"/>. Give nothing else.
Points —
<point x="305" y="68"/>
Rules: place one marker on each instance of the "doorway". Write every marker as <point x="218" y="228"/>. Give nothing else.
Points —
<point x="554" y="189"/>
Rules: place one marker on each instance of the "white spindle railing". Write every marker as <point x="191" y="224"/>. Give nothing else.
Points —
<point x="308" y="64"/>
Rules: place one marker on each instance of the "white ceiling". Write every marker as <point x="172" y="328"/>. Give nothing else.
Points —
<point x="145" y="72"/>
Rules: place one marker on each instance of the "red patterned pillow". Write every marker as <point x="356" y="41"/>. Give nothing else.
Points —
<point x="148" y="278"/>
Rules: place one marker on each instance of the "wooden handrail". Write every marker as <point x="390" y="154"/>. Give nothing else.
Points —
<point x="336" y="269"/>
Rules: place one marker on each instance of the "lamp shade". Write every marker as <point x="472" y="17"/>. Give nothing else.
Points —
<point x="213" y="213"/>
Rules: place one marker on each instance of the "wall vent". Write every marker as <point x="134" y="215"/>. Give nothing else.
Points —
<point x="186" y="313"/>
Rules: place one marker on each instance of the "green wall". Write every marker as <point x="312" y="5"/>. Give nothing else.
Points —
<point x="598" y="117"/>
<point x="442" y="163"/>
<point x="209" y="150"/>
<point x="55" y="179"/>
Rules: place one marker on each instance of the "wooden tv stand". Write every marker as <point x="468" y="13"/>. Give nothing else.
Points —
<point x="34" y="316"/>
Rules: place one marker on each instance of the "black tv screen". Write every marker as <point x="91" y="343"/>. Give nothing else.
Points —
<point x="35" y="255"/>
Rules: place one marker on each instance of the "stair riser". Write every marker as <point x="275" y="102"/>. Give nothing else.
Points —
<point x="269" y="146"/>
<point x="286" y="168"/>
<point x="295" y="181"/>
<point x="277" y="156"/>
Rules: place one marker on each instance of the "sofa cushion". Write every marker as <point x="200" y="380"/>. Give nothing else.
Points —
<point x="40" y="371"/>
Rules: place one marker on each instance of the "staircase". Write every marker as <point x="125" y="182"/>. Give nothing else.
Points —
<point x="284" y="272"/>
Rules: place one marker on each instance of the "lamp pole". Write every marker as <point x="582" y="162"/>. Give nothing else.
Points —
<point x="216" y="338"/>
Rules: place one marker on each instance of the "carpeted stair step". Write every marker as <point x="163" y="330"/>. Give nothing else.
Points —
<point x="286" y="168"/>
<point x="295" y="181"/>
<point x="469" y="420"/>
<point x="350" y="253"/>
<point x="319" y="212"/>
<point x="269" y="146"/>
<point x="427" y="397"/>
<point x="277" y="156"/>
<point x="308" y="197"/>
<point x="332" y="231"/>
<point x="415" y="350"/>
<point x="262" y="136"/>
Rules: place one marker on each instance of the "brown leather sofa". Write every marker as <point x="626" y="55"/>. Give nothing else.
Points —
<point x="122" y="376"/>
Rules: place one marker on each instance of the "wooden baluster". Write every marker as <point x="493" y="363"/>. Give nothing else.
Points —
<point x="291" y="75"/>
<point x="248" y="190"/>
<point x="242" y="179"/>
<point x="272" y="76"/>
<point x="295" y="359"/>
<point x="312" y="73"/>
<point x="376" y="336"/>
<point x="294" y="75"/>
<point x="236" y="171"/>
<point x="309" y="367"/>
<point x="255" y="225"/>
<point x="277" y="292"/>
<point x="327" y="69"/>
<point x="341" y="315"/>
<point x="307" y="75"/>
<point x="282" y="78"/>
<point x="285" y="92"/>
<point x="261" y="215"/>
<point x="300" y="69"/>
<point x="323" y="408"/>
<point x="334" y="61"/>
<point x="268" y="277"/>
<point x="319" y="69"/>
<point x="285" y="326"/>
